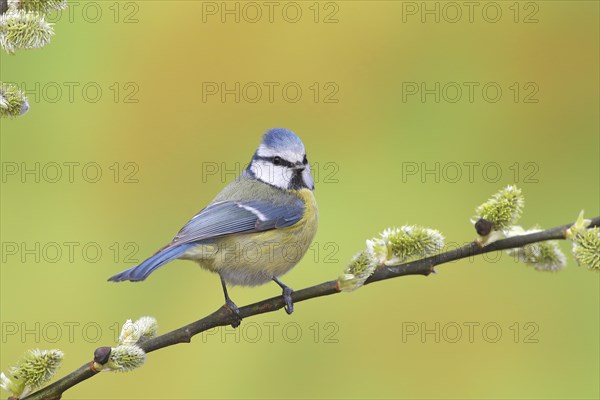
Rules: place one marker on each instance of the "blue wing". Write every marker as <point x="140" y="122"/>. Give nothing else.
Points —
<point x="218" y="219"/>
<point x="229" y="217"/>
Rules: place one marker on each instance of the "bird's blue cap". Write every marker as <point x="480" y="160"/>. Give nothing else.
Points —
<point x="282" y="139"/>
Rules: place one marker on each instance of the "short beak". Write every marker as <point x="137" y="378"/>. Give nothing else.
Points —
<point x="299" y="166"/>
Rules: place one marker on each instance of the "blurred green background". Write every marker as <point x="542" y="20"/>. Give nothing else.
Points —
<point x="127" y="90"/>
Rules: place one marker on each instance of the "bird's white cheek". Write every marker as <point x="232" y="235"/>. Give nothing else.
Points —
<point x="275" y="175"/>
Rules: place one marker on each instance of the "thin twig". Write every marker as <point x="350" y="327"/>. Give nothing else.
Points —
<point x="223" y="316"/>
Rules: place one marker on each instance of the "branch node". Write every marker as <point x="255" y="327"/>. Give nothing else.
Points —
<point x="188" y="336"/>
<point x="93" y="367"/>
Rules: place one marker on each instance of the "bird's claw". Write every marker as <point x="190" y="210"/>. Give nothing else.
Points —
<point x="235" y="311"/>
<point x="287" y="297"/>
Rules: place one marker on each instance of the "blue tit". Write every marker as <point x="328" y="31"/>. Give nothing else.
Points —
<point x="256" y="229"/>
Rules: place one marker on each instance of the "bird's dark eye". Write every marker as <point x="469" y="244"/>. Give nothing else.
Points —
<point x="276" y="160"/>
<point x="305" y="160"/>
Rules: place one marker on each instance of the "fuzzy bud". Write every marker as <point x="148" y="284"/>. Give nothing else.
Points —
<point x="12" y="101"/>
<point x="125" y="358"/>
<point x="543" y="256"/>
<point x="130" y="333"/>
<point x="502" y="210"/>
<point x="20" y="29"/>
<point x="586" y="248"/>
<point x="398" y="245"/>
<point x="148" y="327"/>
<point x="139" y="331"/>
<point x="361" y="267"/>
<point x="32" y="372"/>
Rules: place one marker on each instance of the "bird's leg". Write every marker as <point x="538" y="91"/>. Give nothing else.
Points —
<point x="231" y="305"/>
<point x="287" y="295"/>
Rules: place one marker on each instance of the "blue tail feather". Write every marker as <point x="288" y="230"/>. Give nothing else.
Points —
<point x="143" y="270"/>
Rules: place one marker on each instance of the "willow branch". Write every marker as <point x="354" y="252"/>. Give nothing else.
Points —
<point x="223" y="316"/>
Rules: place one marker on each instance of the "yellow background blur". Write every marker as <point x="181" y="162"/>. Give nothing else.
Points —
<point x="132" y="90"/>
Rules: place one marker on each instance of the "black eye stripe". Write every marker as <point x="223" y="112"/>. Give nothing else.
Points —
<point x="282" y="161"/>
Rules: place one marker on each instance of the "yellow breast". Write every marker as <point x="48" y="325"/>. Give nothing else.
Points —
<point x="307" y="226"/>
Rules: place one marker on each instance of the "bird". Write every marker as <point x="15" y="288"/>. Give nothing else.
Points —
<point x="256" y="229"/>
